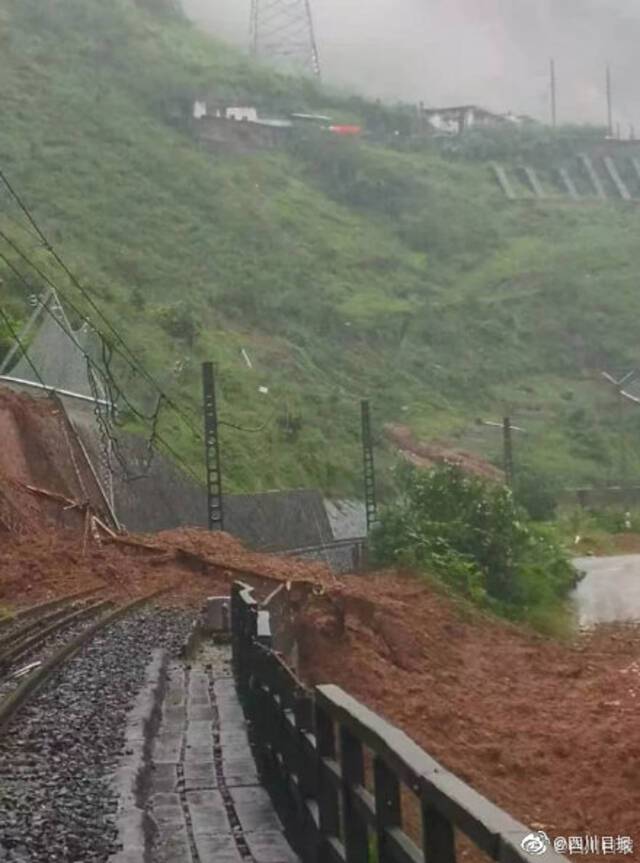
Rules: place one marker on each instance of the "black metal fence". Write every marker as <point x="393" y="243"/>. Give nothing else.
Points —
<point x="340" y="775"/>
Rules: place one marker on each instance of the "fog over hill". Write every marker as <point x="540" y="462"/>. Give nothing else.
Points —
<point x="494" y="52"/>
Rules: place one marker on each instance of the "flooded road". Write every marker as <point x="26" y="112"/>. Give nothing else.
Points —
<point x="611" y="590"/>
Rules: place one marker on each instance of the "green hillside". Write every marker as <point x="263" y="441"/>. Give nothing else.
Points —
<point x="344" y="269"/>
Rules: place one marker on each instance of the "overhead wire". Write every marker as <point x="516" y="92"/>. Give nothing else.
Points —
<point x="265" y="425"/>
<point x="72" y="336"/>
<point x="11" y="213"/>
<point x="77" y="311"/>
<point x="14" y="335"/>
<point x="87" y="296"/>
<point x="73" y="306"/>
<point x="114" y="390"/>
<point x="121" y="346"/>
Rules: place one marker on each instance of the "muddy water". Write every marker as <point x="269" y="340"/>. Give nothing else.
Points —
<point x="610" y="591"/>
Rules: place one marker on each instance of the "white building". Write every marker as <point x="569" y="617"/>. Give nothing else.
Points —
<point x="248" y="115"/>
<point x="461" y="118"/>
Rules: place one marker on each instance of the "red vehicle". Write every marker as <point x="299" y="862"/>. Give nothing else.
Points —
<point x="346" y="131"/>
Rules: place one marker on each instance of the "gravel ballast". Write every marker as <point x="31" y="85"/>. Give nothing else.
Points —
<point x="44" y="650"/>
<point x="56" y="756"/>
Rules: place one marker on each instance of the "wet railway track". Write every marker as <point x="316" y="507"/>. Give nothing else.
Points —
<point x="24" y="641"/>
<point x="21" y="618"/>
<point x="63" y="727"/>
<point x="43" y="638"/>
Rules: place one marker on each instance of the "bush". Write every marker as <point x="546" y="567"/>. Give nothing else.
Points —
<point x="180" y="321"/>
<point x="616" y="520"/>
<point x="471" y="535"/>
<point x="537" y="492"/>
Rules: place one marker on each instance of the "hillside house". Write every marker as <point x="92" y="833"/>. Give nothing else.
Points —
<point x="461" y="118"/>
<point x="244" y="114"/>
<point x="237" y="129"/>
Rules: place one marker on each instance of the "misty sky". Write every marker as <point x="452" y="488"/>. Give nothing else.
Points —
<point x="492" y="52"/>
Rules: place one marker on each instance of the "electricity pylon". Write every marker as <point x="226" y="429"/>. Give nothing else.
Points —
<point x="282" y="30"/>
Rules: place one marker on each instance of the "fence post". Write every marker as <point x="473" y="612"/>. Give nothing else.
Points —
<point x="356" y="833"/>
<point x="438" y="839"/>
<point x="236" y="630"/>
<point x="328" y="803"/>
<point x="388" y="807"/>
<point x="307" y="771"/>
<point x="244" y="621"/>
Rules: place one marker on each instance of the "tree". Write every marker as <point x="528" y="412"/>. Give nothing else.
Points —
<point x="470" y="533"/>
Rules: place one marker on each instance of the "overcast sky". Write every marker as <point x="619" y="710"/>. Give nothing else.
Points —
<point x="492" y="52"/>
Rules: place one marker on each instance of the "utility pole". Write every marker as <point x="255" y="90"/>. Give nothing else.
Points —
<point x="507" y="443"/>
<point x="554" y="95"/>
<point x="371" y="503"/>
<point x="507" y="430"/>
<point x="609" y="102"/>
<point x="215" y="509"/>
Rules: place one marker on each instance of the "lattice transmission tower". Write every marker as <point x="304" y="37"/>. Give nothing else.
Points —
<point x="282" y="30"/>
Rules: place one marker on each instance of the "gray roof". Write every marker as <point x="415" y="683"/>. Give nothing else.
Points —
<point x="167" y="499"/>
<point x="348" y="518"/>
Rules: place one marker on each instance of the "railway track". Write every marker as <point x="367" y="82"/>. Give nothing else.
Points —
<point x="41" y="624"/>
<point x="34" y="613"/>
<point x="62" y="728"/>
<point x="33" y="634"/>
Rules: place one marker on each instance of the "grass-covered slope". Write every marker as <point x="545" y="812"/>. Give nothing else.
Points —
<point x="344" y="269"/>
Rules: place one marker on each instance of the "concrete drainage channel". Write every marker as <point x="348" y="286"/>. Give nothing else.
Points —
<point x="187" y="784"/>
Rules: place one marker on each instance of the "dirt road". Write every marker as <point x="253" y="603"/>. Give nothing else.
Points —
<point x="611" y="590"/>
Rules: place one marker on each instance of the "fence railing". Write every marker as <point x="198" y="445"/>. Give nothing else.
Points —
<point x="339" y="774"/>
<point x="342" y="555"/>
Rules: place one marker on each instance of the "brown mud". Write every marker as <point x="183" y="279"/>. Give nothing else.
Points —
<point x="547" y="730"/>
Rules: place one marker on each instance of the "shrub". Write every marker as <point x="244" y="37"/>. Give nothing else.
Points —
<point x="471" y="535"/>
<point x="537" y="492"/>
<point x="180" y="321"/>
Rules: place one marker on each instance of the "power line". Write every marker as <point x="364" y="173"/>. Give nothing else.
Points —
<point x="112" y="387"/>
<point x="265" y="425"/>
<point x="81" y="315"/>
<point x="107" y="373"/>
<point x="121" y="347"/>
<point x="136" y="365"/>
<point x="12" y="332"/>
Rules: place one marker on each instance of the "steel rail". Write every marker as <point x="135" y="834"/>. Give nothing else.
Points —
<point x="20" y="633"/>
<point x="29" y="642"/>
<point x="48" y="605"/>
<point x="12" y="703"/>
